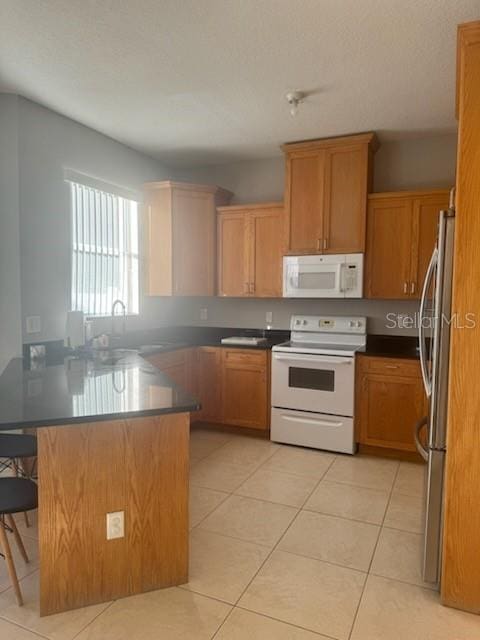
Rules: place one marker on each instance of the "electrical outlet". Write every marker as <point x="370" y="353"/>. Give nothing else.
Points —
<point x="269" y="317"/>
<point x="33" y="324"/>
<point x="204" y="313"/>
<point x="115" y="525"/>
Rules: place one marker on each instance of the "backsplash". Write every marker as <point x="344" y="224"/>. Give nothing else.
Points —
<point x="251" y="313"/>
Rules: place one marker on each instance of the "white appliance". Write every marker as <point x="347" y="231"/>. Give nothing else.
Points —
<point x="313" y="382"/>
<point x="322" y="276"/>
<point x="75" y="329"/>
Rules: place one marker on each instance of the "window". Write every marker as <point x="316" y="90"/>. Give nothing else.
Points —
<point x="104" y="250"/>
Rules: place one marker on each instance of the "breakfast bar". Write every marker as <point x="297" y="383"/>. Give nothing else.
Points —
<point x="113" y="438"/>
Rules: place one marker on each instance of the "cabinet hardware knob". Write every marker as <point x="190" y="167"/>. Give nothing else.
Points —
<point x="325" y="243"/>
<point x="405" y="287"/>
<point x="391" y="366"/>
<point x="319" y="244"/>
<point x="412" y="287"/>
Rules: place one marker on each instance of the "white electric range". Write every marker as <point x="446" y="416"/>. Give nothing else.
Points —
<point x="313" y="382"/>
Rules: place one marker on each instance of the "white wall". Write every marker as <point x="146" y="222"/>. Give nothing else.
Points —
<point x="49" y="142"/>
<point x="10" y="318"/>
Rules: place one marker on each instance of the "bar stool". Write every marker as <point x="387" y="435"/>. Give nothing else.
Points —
<point x="15" y="448"/>
<point x="17" y="495"/>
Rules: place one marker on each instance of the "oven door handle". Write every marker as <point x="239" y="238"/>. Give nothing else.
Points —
<point x="311" y="358"/>
<point x="318" y="421"/>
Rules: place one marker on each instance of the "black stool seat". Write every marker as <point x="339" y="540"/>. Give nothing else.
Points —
<point x="17" y="445"/>
<point x="17" y="494"/>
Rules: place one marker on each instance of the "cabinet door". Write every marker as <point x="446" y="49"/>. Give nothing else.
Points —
<point x="233" y="268"/>
<point x="304" y="201"/>
<point x="346" y="181"/>
<point x="389" y="246"/>
<point x="389" y="407"/>
<point x="426" y="210"/>
<point x="193" y="243"/>
<point x="209" y="364"/>
<point x="265" y="252"/>
<point x="245" y="388"/>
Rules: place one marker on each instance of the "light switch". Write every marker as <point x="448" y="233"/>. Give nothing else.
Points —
<point x="269" y="317"/>
<point x="204" y="313"/>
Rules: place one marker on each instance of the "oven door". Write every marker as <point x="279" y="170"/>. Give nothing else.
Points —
<point x="321" y="280"/>
<point x="309" y="382"/>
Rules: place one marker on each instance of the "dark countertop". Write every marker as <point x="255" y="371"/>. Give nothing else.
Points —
<point x="83" y="389"/>
<point x="391" y="346"/>
<point x="171" y="338"/>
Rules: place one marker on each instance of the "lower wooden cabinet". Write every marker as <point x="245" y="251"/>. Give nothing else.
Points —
<point x="245" y="388"/>
<point x="389" y="400"/>
<point x="209" y="384"/>
<point x="233" y="385"/>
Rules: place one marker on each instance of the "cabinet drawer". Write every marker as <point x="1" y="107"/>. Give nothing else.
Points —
<point x="390" y="366"/>
<point x="247" y="357"/>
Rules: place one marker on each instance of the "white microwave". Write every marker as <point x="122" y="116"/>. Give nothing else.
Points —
<point x="323" y="276"/>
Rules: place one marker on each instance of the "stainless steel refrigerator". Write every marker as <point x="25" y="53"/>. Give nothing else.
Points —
<point x="434" y="339"/>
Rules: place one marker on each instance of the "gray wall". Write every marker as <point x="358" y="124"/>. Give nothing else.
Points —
<point x="10" y="316"/>
<point x="49" y="142"/>
<point x="404" y="164"/>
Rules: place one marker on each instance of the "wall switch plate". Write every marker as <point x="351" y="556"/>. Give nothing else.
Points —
<point x="269" y="317"/>
<point x="33" y="324"/>
<point x="115" y="525"/>
<point x="204" y="313"/>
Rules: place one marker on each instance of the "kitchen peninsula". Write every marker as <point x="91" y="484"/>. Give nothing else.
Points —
<point x="113" y="436"/>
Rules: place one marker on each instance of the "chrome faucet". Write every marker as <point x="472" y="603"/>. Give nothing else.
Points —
<point x="124" y="311"/>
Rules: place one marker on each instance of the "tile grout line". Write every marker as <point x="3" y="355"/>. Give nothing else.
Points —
<point x="16" y="624"/>
<point x="284" y="533"/>
<point x="374" y="551"/>
<point x="109" y="604"/>
<point x="236" y="605"/>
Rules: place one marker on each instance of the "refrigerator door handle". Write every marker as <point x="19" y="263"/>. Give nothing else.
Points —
<point x="423" y="451"/>
<point x="427" y="383"/>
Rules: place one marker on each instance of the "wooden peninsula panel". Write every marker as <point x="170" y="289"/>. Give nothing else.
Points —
<point x="139" y="466"/>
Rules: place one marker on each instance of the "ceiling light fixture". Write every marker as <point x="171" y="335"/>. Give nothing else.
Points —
<point x="294" y="98"/>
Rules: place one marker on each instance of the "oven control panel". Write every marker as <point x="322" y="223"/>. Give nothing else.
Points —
<point x="329" y="324"/>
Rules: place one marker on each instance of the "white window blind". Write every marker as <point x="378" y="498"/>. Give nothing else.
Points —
<point x="104" y="251"/>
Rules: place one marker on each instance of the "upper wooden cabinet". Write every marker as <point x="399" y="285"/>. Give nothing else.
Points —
<point x="180" y="238"/>
<point x="326" y="188"/>
<point x="250" y="250"/>
<point x="401" y="234"/>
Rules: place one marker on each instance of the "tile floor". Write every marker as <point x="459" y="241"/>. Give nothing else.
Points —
<point x="286" y="544"/>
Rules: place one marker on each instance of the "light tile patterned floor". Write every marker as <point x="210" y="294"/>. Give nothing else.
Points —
<point x="286" y="544"/>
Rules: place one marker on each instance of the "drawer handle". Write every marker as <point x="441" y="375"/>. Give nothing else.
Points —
<point x="391" y="366"/>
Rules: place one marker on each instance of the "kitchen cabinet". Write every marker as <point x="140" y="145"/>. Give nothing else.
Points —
<point x="401" y="233"/>
<point x="390" y="399"/>
<point x="209" y="385"/>
<point x="232" y="385"/>
<point x="245" y="388"/>
<point x="180" y="238"/>
<point x="326" y="187"/>
<point x="179" y="365"/>
<point x="250" y="250"/>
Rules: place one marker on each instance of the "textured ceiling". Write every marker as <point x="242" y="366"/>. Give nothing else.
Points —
<point x="203" y="81"/>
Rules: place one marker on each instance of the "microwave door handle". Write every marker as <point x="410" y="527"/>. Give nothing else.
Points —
<point x="421" y="329"/>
